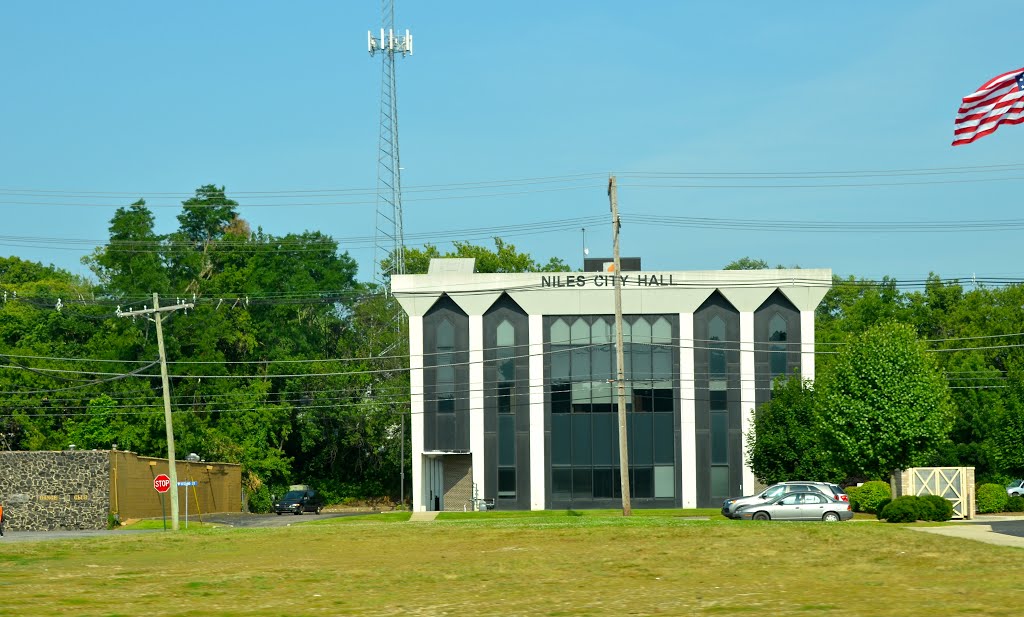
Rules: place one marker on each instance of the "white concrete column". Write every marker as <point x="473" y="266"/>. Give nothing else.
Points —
<point x="807" y="345"/>
<point x="416" y="409"/>
<point x="748" y="401"/>
<point x="538" y="464"/>
<point x="687" y="483"/>
<point x="476" y="400"/>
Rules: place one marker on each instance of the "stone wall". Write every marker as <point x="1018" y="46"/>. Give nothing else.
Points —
<point x="44" y="491"/>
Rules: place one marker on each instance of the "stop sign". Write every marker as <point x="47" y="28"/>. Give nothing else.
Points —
<point x="162" y="483"/>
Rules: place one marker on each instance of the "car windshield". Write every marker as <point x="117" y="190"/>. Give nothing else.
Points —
<point x="295" y="494"/>
<point x="1015" y="484"/>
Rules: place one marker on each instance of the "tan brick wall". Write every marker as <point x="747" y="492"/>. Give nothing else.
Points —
<point x="458" y="483"/>
<point x="218" y="486"/>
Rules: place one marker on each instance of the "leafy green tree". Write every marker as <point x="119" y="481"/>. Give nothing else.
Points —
<point x="786" y="444"/>
<point x="884" y="405"/>
<point x="503" y="259"/>
<point x="131" y="264"/>
<point x="746" y="263"/>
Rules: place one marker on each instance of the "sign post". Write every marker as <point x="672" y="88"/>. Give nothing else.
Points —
<point x="162" y="484"/>
<point x="186" y="485"/>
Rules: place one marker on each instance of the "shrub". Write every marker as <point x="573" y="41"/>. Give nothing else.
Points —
<point x="851" y="492"/>
<point x="905" y="509"/>
<point x="991" y="498"/>
<point x="260" y="500"/>
<point x="935" y="508"/>
<point x="1014" y="504"/>
<point x="881" y="507"/>
<point x="870" y="494"/>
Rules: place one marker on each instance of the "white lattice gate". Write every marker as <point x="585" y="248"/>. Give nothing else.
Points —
<point x="953" y="483"/>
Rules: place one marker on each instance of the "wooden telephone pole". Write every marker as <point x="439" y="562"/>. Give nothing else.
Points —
<point x="172" y="470"/>
<point x="620" y="376"/>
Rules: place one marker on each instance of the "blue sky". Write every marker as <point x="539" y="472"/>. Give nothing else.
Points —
<point x="145" y="99"/>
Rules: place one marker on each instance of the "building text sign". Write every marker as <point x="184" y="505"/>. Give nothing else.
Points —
<point x="606" y="280"/>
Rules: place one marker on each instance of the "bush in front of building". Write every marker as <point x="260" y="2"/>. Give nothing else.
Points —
<point x="991" y="498"/>
<point x="1014" y="504"/>
<point x="935" y="508"/>
<point x="881" y="507"/>
<point x="869" y="495"/>
<point x="905" y="509"/>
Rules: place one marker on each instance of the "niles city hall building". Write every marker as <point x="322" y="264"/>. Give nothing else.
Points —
<point x="513" y="392"/>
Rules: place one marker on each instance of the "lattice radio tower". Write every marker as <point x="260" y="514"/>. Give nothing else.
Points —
<point x="388" y="236"/>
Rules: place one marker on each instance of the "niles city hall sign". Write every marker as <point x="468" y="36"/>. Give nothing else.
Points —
<point x="606" y="280"/>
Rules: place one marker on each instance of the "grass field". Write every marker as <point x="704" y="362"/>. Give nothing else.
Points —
<point x="552" y="563"/>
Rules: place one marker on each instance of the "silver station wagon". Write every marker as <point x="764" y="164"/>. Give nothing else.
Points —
<point x="803" y="506"/>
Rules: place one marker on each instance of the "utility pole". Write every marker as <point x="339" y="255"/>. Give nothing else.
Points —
<point x="620" y="374"/>
<point x="172" y="470"/>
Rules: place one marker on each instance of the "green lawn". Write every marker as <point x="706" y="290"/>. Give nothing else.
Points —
<point x="500" y="563"/>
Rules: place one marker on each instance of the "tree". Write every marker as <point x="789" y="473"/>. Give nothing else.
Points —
<point x="786" y="445"/>
<point x="503" y="259"/>
<point x="746" y="263"/>
<point x="883" y="405"/>
<point x="131" y="264"/>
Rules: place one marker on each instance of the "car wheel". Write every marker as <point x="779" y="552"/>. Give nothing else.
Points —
<point x="280" y="513"/>
<point x="319" y="509"/>
<point x="830" y="517"/>
<point x="762" y="516"/>
<point x="298" y="512"/>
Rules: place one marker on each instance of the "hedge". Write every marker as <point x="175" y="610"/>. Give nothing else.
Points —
<point x="991" y="498"/>
<point x="869" y="495"/>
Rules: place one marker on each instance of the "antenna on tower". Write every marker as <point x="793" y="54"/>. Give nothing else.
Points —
<point x="389" y="243"/>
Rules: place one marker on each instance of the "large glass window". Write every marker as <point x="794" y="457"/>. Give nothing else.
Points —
<point x="583" y="395"/>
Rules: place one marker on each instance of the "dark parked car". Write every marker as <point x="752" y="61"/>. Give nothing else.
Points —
<point x="299" y="500"/>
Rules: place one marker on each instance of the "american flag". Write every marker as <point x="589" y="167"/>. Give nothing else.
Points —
<point x="999" y="100"/>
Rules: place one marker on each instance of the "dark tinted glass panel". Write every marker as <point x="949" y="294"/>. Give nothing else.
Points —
<point x="604" y="481"/>
<point x="718" y="400"/>
<point x="662" y="363"/>
<point x="642" y="399"/>
<point x="602" y="357"/>
<point x="719" y="438"/>
<point x="445" y="403"/>
<point x="643" y="482"/>
<point x="580" y="439"/>
<point x="664" y="441"/>
<point x="507" y="440"/>
<point x="606" y="437"/>
<point x="561" y="398"/>
<point x="581" y="364"/>
<point x="504" y="397"/>
<point x="643" y="439"/>
<point x="777" y="362"/>
<point x="506" y="369"/>
<point x="507" y="482"/>
<point x="445" y="335"/>
<point x="561" y="440"/>
<point x="559" y="364"/>
<point x="561" y="482"/>
<point x="582" y="483"/>
<point x="663" y="400"/>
